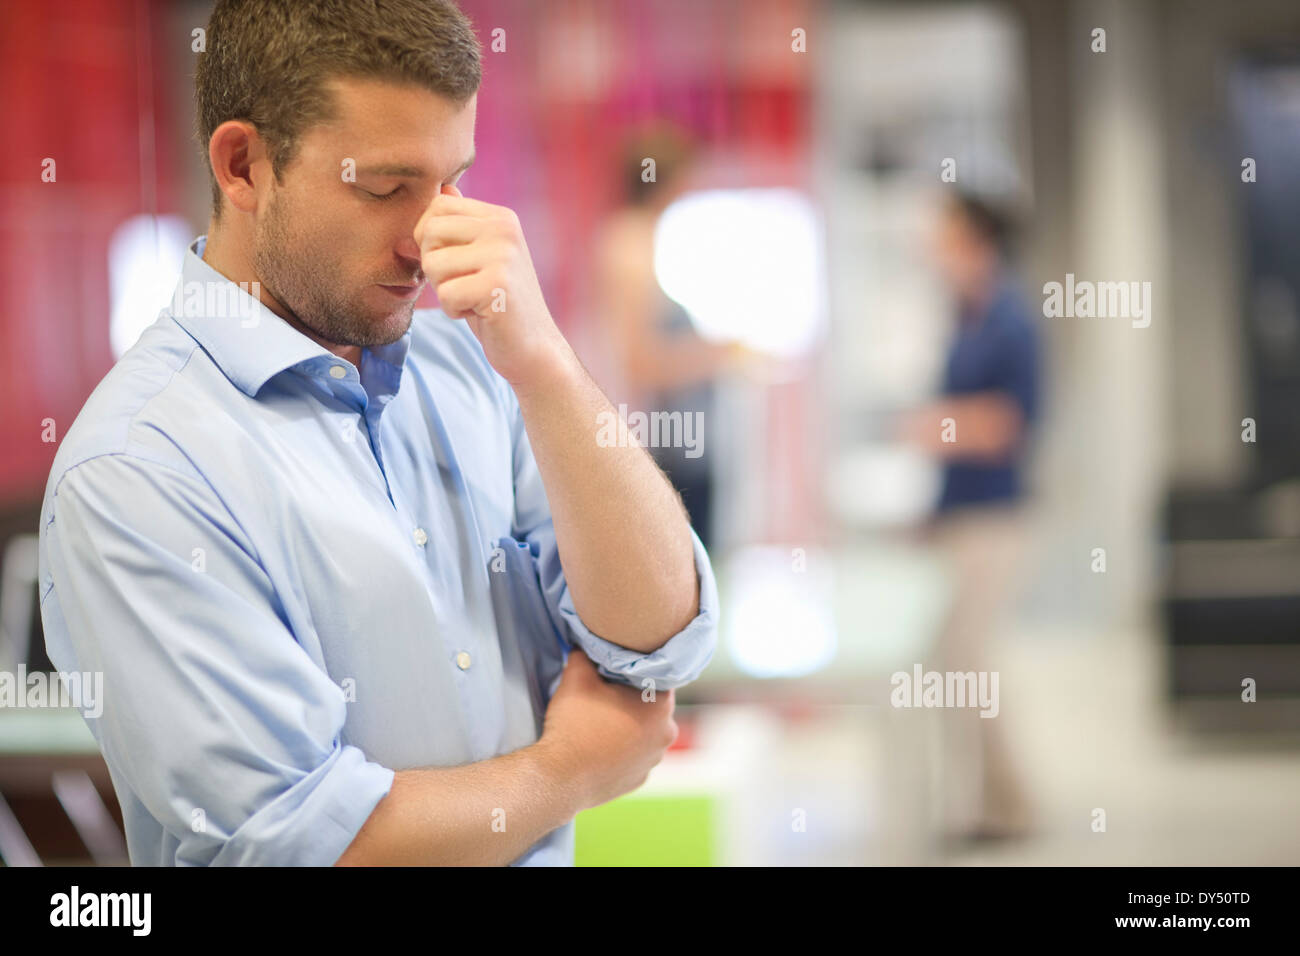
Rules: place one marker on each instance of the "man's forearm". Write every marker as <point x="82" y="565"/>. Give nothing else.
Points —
<point x="621" y="531"/>
<point x="482" y="814"/>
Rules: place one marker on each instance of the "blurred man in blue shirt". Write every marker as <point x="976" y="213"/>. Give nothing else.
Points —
<point x="980" y="428"/>
<point x="329" y="552"/>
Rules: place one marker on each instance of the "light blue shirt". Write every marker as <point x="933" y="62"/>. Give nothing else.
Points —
<point x="298" y="576"/>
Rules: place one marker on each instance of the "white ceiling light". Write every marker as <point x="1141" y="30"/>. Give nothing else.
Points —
<point x="747" y="265"/>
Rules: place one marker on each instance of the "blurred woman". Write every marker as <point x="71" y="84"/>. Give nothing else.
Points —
<point x="660" y="363"/>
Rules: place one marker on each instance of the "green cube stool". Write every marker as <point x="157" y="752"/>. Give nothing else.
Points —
<point x="658" y="830"/>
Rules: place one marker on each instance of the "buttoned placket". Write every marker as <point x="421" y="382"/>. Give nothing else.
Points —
<point x="345" y="381"/>
<point x="462" y="656"/>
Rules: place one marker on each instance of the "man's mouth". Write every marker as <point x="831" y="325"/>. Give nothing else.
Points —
<point x="407" y="290"/>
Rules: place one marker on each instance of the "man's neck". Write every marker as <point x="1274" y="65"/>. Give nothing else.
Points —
<point x="229" y="259"/>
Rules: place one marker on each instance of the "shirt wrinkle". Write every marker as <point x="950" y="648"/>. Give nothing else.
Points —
<point x="262" y="579"/>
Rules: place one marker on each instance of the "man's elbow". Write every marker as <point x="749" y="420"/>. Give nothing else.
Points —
<point x="688" y="606"/>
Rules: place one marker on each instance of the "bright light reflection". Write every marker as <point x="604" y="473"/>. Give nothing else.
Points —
<point x="779" y="616"/>
<point x="143" y="269"/>
<point x="746" y="264"/>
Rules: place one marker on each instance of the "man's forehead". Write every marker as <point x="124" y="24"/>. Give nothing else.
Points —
<point x="367" y="99"/>
<point x="401" y="129"/>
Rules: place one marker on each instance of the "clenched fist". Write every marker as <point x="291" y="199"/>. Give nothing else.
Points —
<point x="474" y="255"/>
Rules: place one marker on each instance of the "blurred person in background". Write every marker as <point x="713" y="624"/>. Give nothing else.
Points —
<point x="659" y="362"/>
<point x="979" y="428"/>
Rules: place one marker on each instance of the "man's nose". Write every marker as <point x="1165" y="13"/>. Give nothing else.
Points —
<point x="408" y="250"/>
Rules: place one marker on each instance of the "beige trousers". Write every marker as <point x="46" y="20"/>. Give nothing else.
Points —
<point x="984" y="548"/>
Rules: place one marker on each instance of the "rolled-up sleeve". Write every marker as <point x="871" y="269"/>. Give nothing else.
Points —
<point x="213" y="715"/>
<point x="677" y="662"/>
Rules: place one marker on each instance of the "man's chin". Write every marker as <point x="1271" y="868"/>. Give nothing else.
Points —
<point x="395" y="313"/>
<point x="401" y="320"/>
<point x="387" y="326"/>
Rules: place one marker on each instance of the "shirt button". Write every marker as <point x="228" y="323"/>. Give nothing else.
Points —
<point x="463" y="661"/>
<point x="420" y="537"/>
<point x="338" y="371"/>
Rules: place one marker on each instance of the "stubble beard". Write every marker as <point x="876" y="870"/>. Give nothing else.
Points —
<point x="305" y="285"/>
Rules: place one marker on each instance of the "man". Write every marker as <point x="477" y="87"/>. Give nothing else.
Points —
<point x="329" y="552"/>
<point x="980" y="428"/>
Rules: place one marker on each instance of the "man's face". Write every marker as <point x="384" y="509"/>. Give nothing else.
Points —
<point x="964" y="260"/>
<point x="339" y="258"/>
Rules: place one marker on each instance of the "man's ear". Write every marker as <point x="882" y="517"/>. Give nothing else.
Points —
<point x="233" y="150"/>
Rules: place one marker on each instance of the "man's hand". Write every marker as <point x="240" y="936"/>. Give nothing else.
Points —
<point x="474" y="255"/>
<point x="604" y="737"/>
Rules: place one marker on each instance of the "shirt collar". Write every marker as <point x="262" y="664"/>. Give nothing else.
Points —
<point x="247" y="341"/>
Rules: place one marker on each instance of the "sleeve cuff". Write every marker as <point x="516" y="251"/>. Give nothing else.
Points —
<point x="678" y="662"/>
<point x="314" y="822"/>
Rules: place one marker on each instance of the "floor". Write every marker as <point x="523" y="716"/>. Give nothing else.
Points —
<point x="1105" y="740"/>
<point x="821" y="784"/>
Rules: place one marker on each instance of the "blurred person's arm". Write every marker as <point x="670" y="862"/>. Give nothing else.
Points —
<point x="986" y="426"/>
<point x="626" y="294"/>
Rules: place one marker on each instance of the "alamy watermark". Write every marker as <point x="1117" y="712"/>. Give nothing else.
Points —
<point x="1086" y="299"/>
<point x="129" y="910"/>
<point x="84" y="691"/>
<point x="946" y="689"/>
<point x="219" y="299"/>
<point x="651" y="430"/>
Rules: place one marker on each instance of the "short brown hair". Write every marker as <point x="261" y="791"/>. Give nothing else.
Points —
<point x="268" y="61"/>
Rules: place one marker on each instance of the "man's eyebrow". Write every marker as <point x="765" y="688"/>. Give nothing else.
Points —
<point x="409" y="172"/>
<point x="390" y="169"/>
